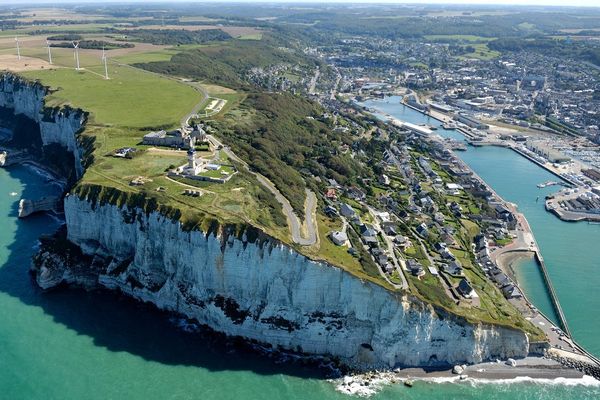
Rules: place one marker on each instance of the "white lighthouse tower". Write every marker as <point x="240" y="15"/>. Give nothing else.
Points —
<point x="192" y="160"/>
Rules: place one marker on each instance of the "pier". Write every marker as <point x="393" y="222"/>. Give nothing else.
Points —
<point x="527" y="243"/>
<point x="562" y="320"/>
<point x="527" y="156"/>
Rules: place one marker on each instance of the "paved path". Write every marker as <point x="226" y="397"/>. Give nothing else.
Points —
<point x="304" y="234"/>
<point x="185" y="120"/>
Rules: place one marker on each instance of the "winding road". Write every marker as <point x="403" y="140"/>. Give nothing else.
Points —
<point x="304" y="234"/>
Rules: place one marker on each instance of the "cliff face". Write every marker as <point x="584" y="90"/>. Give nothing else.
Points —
<point x="265" y="292"/>
<point x="57" y="126"/>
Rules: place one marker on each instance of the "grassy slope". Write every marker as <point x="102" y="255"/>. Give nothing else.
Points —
<point x="482" y="52"/>
<point x="224" y="64"/>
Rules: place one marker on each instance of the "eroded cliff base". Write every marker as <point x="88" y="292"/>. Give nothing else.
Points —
<point x="61" y="265"/>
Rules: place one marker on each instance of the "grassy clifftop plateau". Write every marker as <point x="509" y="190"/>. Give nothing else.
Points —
<point x="124" y="108"/>
<point x="130" y="99"/>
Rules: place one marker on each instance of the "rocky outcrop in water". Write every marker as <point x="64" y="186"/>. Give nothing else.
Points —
<point x="264" y="291"/>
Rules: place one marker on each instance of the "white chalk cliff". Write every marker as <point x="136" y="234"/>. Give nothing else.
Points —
<point x="58" y="126"/>
<point x="267" y="292"/>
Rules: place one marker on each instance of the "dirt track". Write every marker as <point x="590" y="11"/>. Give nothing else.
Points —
<point x="11" y="63"/>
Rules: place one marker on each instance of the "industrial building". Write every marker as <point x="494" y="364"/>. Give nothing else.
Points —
<point x="470" y="122"/>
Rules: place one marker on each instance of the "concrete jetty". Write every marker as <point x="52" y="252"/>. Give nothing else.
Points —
<point x="28" y="207"/>
<point x="553" y="296"/>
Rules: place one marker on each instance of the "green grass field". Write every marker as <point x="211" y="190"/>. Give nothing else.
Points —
<point x="254" y="36"/>
<point x="482" y="52"/>
<point x="338" y="255"/>
<point x="91" y="27"/>
<point x="131" y="98"/>
<point x="150" y="56"/>
<point x="122" y="109"/>
<point x="155" y="55"/>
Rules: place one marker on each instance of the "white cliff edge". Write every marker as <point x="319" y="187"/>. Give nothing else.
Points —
<point x="58" y="126"/>
<point x="266" y="292"/>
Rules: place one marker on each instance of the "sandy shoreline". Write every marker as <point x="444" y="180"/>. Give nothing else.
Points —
<point x="506" y="261"/>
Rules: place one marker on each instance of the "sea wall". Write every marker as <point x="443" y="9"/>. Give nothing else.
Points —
<point x="57" y="125"/>
<point x="264" y="291"/>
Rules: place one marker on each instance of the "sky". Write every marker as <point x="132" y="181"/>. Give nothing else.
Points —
<point x="585" y="3"/>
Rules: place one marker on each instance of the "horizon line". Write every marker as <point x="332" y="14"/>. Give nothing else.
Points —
<point x="461" y="3"/>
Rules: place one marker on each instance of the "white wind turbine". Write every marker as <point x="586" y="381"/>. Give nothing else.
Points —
<point x="49" y="52"/>
<point x="105" y="66"/>
<point x="76" y="48"/>
<point x="18" y="48"/>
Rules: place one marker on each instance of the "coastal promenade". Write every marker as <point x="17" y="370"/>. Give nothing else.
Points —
<point x="525" y="242"/>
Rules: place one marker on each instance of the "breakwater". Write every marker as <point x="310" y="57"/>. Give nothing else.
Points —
<point x="552" y="293"/>
<point x="538" y="256"/>
<point x="94" y="345"/>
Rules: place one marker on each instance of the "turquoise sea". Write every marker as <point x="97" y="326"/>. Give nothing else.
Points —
<point x="69" y="344"/>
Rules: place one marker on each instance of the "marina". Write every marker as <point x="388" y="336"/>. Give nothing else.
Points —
<point x="280" y="200"/>
<point x="48" y="329"/>
<point x="83" y="337"/>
